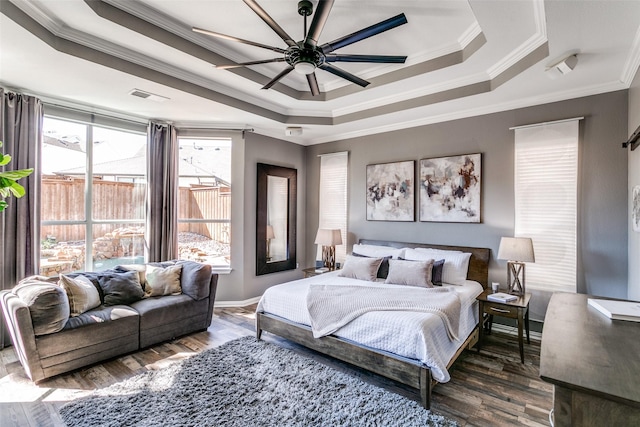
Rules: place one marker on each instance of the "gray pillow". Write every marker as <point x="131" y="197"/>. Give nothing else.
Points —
<point x="121" y="288"/>
<point x="195" y="279"/>
<point x="383" y="270"/>
<point x="361" y="268"/>
<point x="48" y="304"/>
<point x="436" y="272"/>
<point x="410" y="273"/>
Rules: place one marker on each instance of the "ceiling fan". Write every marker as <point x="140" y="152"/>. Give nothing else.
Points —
<point x="306" y="55"/>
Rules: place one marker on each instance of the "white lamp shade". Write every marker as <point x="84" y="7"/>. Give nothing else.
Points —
<point x="328" y="237"/>
<point x="270" y="234"/>
<point x="516" y="249"/>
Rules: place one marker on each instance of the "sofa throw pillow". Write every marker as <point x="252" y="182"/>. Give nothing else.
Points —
<point x="195" y="279"/>
<point x="410" y="273"/>
<point x="48" y="303"/>
<point x="383" y="270"/>
<point x="163" y="280"/>
<point x="121" y="288"/>
<point x="82" y="294"/>
<point x="360" y="268"/>
<point x="140" y="268"/>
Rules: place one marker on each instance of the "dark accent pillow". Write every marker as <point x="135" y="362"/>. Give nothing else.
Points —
<point x="94" y="276"/>
<point x="195" y="279"/>
<point x="436" y="272"/>
<point x="121" y="288"/>
<point x="383" y="270"/>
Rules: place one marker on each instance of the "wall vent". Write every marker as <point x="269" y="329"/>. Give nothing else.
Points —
<point x="147" y="95"/>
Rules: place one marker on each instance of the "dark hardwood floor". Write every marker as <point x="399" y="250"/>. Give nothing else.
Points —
<point x="490" y="388"/>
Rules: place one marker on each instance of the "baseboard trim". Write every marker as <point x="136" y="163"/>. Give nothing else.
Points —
<point x="226" y="304"/>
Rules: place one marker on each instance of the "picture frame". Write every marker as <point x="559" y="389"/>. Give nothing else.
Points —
<point x="390" y="191"/>
<point x="450" y="188"/>
<point x="635" y="208"/>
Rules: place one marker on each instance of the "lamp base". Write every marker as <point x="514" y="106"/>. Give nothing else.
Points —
<point x="515" y="277"/>
<point x="329" y="257"/>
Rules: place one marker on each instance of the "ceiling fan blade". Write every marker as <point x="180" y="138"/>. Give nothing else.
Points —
<point x="278" y="77"/>
<point x="313" y="84"/>
<point x="383" y="59"/>
<point x="317" y="24"/>
<point x="244" y="64"/>
<point x="344" y="74"/>
<point x="378" y="28"/>
<point x="235" y="39"/>
<point x="270" y="22"/>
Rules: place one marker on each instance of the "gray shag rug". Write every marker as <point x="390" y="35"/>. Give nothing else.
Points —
<point x="246" y="382"/>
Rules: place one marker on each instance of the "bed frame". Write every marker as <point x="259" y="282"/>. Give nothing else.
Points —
<point x="406" y="371"/>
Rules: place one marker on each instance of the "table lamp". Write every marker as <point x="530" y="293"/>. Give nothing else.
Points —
<point x="270" y="235"/>
<point x="517" y="251"/>
<point x="329" y="238"/>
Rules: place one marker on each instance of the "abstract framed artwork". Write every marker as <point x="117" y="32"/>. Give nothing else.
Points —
<point x="390" y="191"/>
<point x="450" y="188"/>
<point x="635" y="209"/>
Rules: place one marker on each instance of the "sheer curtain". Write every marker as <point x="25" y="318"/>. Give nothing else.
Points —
<point x="162" y="192"/>
<point x="21" y="135"/>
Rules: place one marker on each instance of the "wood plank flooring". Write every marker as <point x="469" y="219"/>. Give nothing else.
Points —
<point x="490" y="388"/>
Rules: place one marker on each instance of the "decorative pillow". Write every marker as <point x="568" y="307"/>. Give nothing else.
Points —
<point x="48" y="303"/>
<point x="375" y="251"/>
<point x="82" y="294"/>
<point x="140" y="268"/>
<point x="411" y="273"/>
<point x="195" y="279"/>
<point x="383" y="270"/>
<point x="122" y="288"/>
<point x="360" y="268"/>
<point x="163" y="280"/>
<point x="456" y="263"/>
<point x="436" y="272"/>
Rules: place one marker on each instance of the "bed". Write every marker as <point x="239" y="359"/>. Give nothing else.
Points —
<point x="282" y="311"/>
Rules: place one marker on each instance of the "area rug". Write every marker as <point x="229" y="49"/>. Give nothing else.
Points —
<point x="247" y="382"/>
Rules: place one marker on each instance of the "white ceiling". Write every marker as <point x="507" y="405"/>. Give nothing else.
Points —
<point x="464" y="59"/>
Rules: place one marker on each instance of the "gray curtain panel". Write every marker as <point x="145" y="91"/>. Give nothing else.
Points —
<point x="162" y="192"/>
<point x="21" y="134"/>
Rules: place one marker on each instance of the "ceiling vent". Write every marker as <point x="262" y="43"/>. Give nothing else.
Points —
<point x="147" y="95"/>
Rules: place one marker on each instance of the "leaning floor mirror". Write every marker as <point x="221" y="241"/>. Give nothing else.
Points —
<point x="276" y="219"/>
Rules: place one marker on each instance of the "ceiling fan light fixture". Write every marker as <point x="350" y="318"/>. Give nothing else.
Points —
<point x="304" y="67"/>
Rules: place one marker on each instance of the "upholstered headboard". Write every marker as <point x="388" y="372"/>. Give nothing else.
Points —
<point x="478" y="263"/>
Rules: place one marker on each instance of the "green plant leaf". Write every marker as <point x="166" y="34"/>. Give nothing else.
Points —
<point x="4" y="159"/>
<point x="16" y="189"/>
<point x="14" y="175"/>
<point x="3" y="205"/>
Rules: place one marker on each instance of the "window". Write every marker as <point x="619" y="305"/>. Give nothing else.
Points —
<point x="546" y="182"/>
<point x="204" y="200"/>
<point x="334" y="173"/>
<point x="97" y="226"/>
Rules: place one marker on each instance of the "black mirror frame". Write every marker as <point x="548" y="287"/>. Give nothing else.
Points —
<point x="262" y="266"/>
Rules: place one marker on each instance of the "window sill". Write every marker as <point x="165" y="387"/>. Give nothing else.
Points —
<point x="221" y="270"/>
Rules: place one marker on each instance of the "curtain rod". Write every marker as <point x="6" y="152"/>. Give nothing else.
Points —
<point x="546" y="123"/>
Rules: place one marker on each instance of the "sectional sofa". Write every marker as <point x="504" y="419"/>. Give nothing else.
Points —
<point x="58" y="325"/>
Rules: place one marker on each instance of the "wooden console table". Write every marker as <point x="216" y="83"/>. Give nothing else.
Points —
<point x="593" y="364"/>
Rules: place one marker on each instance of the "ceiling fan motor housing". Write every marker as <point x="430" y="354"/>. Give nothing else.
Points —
<point x="298" y="57"/>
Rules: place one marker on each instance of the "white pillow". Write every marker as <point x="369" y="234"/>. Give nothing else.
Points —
<point x="456" y="263"/>
<point x="360" y="268"/>
<point x="410" y="273"/>
<point x="163" y="281"/>
<point x="376" y="251"/>
<point x="82" y="294"/>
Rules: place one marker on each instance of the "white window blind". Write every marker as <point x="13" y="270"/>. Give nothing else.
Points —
<point x="546" y="188"/>
<point x="334" y="173"/>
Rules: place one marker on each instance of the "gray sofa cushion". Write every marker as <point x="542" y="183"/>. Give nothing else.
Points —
<point x="48" y="304"/>
<point x="102" y="314"/>
<point x="121" y="288"/>
<point x="195" y="279"/>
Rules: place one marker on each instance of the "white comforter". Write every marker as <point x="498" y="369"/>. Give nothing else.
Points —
<point x="414" y="335"/>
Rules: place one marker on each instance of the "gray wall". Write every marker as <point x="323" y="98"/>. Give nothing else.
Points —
<point x="602" y="191"/>
<point x="242" y="284"/>
<point x="634" y="179"/>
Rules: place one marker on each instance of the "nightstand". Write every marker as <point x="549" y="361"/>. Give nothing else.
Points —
<point x="311" y="271"/>
<point x="517" y="309"/>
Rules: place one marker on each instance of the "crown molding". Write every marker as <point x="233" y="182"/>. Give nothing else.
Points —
<point x="633" y="62"/>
